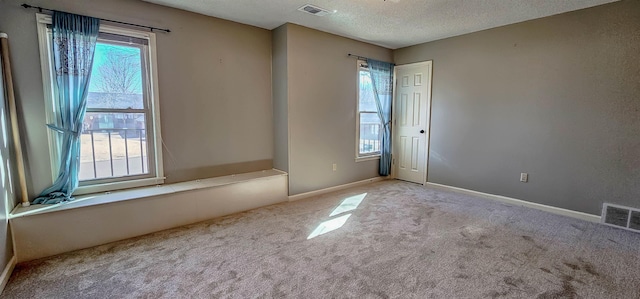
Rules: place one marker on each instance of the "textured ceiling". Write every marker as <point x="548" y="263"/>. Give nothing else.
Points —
<point x="393" y="23"/>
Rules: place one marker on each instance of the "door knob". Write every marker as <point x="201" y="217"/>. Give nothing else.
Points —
<point x="421" y="131"/>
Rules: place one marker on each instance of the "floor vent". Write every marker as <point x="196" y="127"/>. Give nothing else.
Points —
<point x="314" y="10"/>
<point x="622" y="217"/>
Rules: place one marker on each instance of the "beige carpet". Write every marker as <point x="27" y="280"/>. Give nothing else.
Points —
<point x="401" y="241"/>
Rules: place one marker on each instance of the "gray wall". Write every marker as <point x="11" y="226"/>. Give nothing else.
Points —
<point x="322" y="84"/>
<point x="557" y="97"/>
<point x="280" y="99"/>
<point x="214" y="79"/>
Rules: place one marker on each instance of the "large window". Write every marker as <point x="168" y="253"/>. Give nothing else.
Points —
<point x="368" y="122"/>
<point x="120" y="138"/>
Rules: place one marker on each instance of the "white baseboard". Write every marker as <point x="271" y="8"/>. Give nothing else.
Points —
<point x="4" y="278"/>
<point x="334" y="188"/>
<point x="518" y="202"/>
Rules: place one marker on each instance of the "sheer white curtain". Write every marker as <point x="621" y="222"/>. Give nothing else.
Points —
<point x="10" y="145"/>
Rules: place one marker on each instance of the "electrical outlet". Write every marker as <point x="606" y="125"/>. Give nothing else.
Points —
<point x="524" y="177"/>
<point x="335" y="166"/>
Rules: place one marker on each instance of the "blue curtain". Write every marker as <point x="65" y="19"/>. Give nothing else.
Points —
<point x="382" y="81"/>
<point x="74" y="41"/>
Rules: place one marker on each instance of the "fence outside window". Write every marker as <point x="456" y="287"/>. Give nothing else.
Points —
<point x="110" y="153"/>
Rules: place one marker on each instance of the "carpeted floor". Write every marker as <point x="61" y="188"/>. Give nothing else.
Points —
<point x="402" y="241"/>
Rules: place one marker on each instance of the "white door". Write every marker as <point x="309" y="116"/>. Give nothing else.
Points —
<point x="411" y="121"/>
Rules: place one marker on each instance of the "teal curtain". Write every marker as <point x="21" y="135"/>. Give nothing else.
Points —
<point x="382" y="81"/>
<point x="74" y="41"/>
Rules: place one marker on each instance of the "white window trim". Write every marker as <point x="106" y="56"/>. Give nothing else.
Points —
<point x="43" y="20"/>
<point x="361" y="157"/>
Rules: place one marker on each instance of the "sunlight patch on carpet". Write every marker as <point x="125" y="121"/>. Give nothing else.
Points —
<point x="329" y="225"/>
<point x="348" y="204"/>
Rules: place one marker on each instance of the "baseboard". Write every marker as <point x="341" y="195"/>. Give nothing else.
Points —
<point x="334" y="188"/>
<point x="519" y="202"/>
<point x="4" y="278"/>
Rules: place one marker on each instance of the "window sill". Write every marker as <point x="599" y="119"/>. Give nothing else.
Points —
<point x="113" y="187"/>
<point x="144" y="192"/>
<point x="367" y="158"/>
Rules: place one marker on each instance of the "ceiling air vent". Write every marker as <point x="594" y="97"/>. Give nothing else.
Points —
<point x="622" y="217"/>
<point x="314" y="10"/>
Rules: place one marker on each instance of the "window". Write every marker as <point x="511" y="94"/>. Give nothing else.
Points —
<point x="120" y="146"/>
<point x="368" y="132"/>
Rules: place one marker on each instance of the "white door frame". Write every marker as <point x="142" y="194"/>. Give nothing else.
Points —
<point x="429" y="65"/>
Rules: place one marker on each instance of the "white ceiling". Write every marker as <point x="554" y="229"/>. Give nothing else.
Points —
<point x="392" y="23"/>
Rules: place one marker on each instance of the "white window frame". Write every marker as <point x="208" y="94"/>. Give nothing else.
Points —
<point x="370" y="156"/>
<point x="48" y="87"/>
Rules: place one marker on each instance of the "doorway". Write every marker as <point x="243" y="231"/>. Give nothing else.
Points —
<point x="412" y="117"/>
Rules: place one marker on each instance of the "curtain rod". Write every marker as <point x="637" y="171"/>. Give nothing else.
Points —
<point x="362" y="57"/>
<point x="40" y="9"/>
<point x="358" y="56"/>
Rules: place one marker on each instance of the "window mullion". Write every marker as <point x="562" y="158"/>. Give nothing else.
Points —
<point x="112" y="110"/>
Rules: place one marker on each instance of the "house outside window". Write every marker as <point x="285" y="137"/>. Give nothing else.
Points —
<point x="368" y="129"/>
<point x="120" y="142"/>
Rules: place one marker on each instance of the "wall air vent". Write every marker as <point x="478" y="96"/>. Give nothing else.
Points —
<point x="314" y="10"/>
<point x="622" y="217"/>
